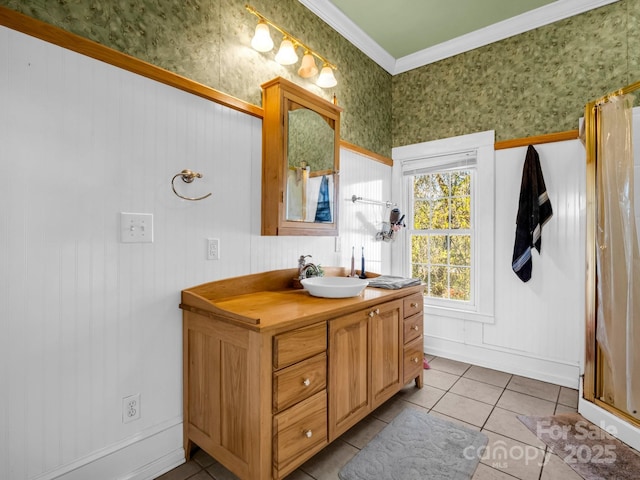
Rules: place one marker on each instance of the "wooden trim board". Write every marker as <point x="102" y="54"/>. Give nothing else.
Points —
<point x="538" y="139"/>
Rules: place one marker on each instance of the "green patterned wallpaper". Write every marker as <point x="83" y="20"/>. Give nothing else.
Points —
<point x="531" y="84"/>
<point x="633" y="39"/>
<point x="208" y="41"/>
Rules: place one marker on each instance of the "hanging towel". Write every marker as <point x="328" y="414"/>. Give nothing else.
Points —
<point x="534" y="210"/>
<point x="323" y="212"/>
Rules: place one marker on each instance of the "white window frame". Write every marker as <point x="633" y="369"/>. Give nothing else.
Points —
<point x="481" y="308"/>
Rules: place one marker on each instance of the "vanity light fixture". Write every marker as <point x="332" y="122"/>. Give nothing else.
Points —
<point x="326" y="79"/>
<point x="262" y="38"/>
<point x="287" y="55"/>
<point x="308" y="66"/>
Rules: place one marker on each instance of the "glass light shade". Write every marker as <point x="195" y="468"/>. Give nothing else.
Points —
<point x="308" y="66"/>
<point x="287" y="53"/>
<point x="326" y="78"/>
<point x="261" y="40"/>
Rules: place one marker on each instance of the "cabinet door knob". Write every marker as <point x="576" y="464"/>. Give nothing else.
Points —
<point x="414" y="359"/>
<point x="374" y="312"/>
<point x="306" y="382"/>
<point x="308" y="433"/>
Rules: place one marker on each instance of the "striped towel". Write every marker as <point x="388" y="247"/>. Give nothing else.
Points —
<point x="534" y="210"/>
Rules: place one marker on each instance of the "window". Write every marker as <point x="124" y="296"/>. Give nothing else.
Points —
<point x="441" y="233"/>
<point x="440" y="230"/>
<point x="448" y="193"/>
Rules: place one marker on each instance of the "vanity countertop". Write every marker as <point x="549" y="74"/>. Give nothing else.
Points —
<point x="267" y="301"/>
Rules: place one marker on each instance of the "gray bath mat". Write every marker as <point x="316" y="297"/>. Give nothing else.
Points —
<point x="418" y="446"/>
<point x="590" y="451"/>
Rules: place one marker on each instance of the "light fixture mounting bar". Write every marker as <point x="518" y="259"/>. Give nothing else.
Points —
<point x="296" y="42"/>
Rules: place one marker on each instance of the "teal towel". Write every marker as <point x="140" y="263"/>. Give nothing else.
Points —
<point x="323" y="211"/>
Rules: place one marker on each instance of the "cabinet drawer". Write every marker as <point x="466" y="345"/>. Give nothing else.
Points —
<point x="413" y="327"/>
<point x="413" y="305"/>
<point x="413" y="356"/>
<point x="300" y="430"/>
<point x="292" y="347"/>
<point x="297" y="382"/>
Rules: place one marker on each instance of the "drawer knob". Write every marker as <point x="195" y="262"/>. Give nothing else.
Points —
<point x="306" y="382"/>
<point x="308" y="433"/>
<point x="415" y="327"/>
<point x="414" y="305"/>
<point x="414" y="359"/>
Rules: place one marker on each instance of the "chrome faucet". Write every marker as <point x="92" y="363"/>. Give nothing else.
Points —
<point x="304" y="267"/>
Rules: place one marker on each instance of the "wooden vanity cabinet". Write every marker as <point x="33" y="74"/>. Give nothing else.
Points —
<point x="349" y="399"/>
<point x="263" y="395"/>
<point x="365" y="363"/>
<point x="412" y="337"/>
<point x="386" y="352"/>
<point x="299" y="396"/>
<point x="226" y="375"/>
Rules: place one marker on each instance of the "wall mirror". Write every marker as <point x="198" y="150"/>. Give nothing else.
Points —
<point x="300" y="161"/>
<point x="311" y="163"/>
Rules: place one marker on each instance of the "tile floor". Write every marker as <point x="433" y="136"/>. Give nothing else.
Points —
<point x="477" y="397"/>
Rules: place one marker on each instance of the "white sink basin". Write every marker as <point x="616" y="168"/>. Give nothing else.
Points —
<point x="334" y="287"/>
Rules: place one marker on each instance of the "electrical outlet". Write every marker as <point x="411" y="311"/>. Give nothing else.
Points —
<point x="213" y="249"/>
<point x="131" y="408"/>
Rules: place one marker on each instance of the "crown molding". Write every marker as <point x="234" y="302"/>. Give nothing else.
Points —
<point x="558" y="10"/>
<point x="332" y="15"/>
<point x="539" y="17"/>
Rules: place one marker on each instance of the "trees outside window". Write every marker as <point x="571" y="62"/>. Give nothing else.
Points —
<point x="441" y="233"/>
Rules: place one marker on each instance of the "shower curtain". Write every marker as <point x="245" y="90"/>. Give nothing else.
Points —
<point x="618" y="259"/>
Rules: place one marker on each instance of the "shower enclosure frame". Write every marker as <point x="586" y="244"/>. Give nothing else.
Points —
<point x="593" y="368"/>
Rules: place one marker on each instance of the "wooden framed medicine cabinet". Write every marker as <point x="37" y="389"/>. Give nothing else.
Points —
<point x="300" y="161"/>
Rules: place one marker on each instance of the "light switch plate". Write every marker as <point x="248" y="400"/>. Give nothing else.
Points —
<point x="136" y="227"/>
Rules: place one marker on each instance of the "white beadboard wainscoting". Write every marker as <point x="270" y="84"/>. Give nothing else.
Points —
<point x="538" y="330"/>
<point x="87" y="320"/>
<point x="360" y="221"/>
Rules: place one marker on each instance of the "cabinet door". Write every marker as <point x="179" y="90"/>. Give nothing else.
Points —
<point x="386" y="351"/>
<point x="349" y="379"/>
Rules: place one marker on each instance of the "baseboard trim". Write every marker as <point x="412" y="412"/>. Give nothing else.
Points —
<point x="158" y="467"/>
<point x="546" y="370"/>
<point x="143" y="456"/>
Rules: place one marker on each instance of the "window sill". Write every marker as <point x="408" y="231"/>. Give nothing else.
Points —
<point x="459" y="314"/>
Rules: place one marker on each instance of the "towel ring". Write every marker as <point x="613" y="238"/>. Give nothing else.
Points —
<point x="187" y="177"/>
